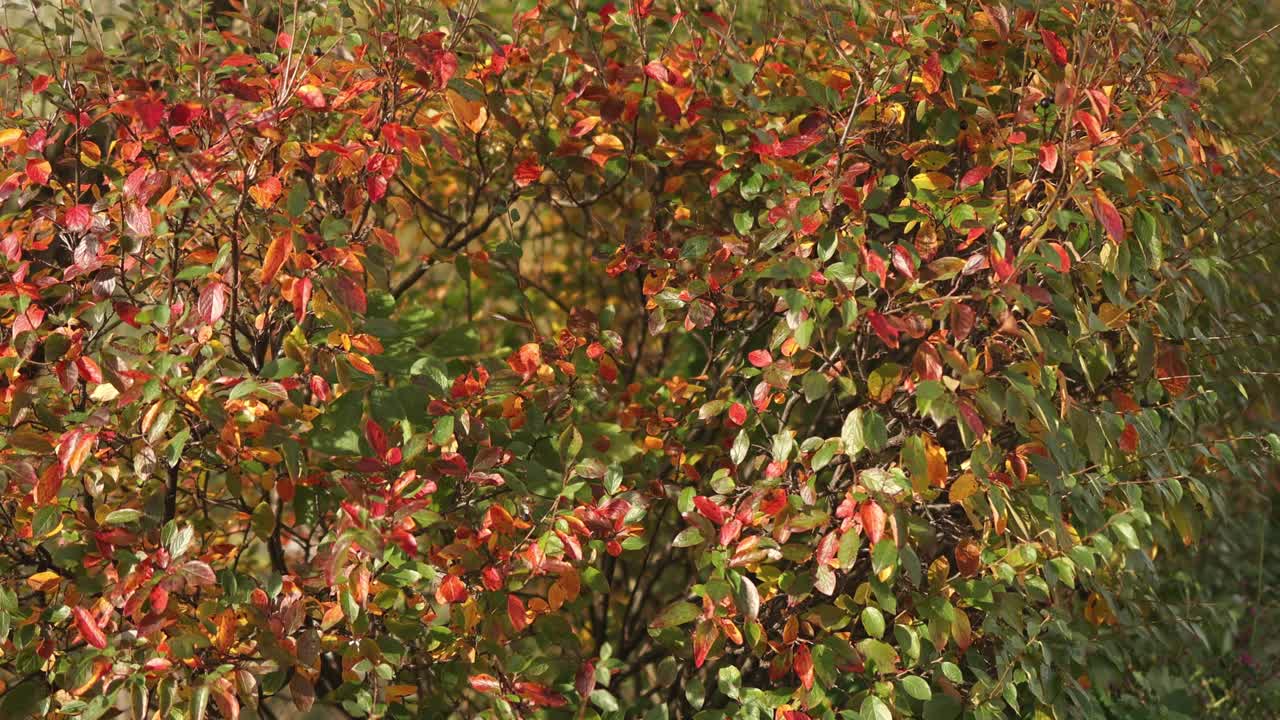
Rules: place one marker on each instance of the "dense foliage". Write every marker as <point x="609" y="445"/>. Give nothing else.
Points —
<point x="640" y="359"/>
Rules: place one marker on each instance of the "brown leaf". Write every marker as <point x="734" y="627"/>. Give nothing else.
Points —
<point x="471" y="114"/>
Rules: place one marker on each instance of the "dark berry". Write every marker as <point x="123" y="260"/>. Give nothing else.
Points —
<point x="1045" y="102"/>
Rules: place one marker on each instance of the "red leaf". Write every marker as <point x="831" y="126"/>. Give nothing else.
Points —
<point x="975" y="176"/>
<point x="89" y="369"/>
<point x="79" y="218"/>
<point x="1171" y="371"/>
<point x="797" y="144"/>
<point x="212" y="303"/>
<point x="1064" y="261"/>
<point x="709" y="509"/>
<point x="88" y="628"/>
<point x="526" y="361"/>
<point x="875" y="264"/>
<point x="451" y="591"/>
<point x="351" y="294"/>
<point x="539" y="695"/>
<point x="515" y="612"/>
<point x="301" y="297"/>
<point x="585" y="681"/>
<point x="669" y="107"/>
<point x="887" y="333"/>
<point x="1048" y="157"/>
<point x="657" y="71"/>
<point x="827" y="548"/>
<point x="704" y="636"/>
<point x="376" y="436"/>
<point x="1056" y="49"/>
<point x="962" y="320"/>
<point x="1109" y="216"/>
<point x="39" y="170"/>
<point x="483" y="683"/>
<point x="527" y="172"/>
<point x="760" y="358"/>
<point x="138" y="219"/>
<point x="971" y="418"/>
<point x="29" y="320"/>
<point x="931" y="74"/>
<point x="376" y="186"/>
<point x="802" y="663"/>
<point x="903" y="262"/>
<point x="761" y="397"/>
<point x="737" y="414"/>
<point x="1129" y="439"/>
<point x="1091" y="125"/>
<point x="311" y="96"/>
<point x="873" y="519"/>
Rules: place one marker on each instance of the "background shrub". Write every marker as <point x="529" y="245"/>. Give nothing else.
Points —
<point x="651" y="359"/>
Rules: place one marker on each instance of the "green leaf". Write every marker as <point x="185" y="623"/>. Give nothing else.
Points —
<point x="851" y="433"/>
<point x="880" y="656"/>
<point x="741" y="444"/>
<point x="677" y="614"/>
<point x="604" y="700"/>
<point x="873" y="621"/>
<point x="122" y="517"/>
<point x="942" y="707"/>
<point x="873" y="708"/>
<point x="825" y="452"/>
<point x="884" y="555"/>
<point x="729" y="680"/>
<point x="916" y="687"/>
<point x="847" y="551"/>
<point x="815" y="386"/>
<point x="688" y="538"/>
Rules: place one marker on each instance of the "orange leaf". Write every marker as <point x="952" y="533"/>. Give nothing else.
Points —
<point x="277" y="252"/>
<point x="1109" y="216"/>
<point x="873" y="519"/>
<point x="452" y="590"/>
<point x="471" y="114"/>
<point x="484" y="683"/>
<point x="526" y="361"/>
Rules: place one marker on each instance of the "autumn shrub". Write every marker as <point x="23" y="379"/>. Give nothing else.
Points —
<point x="648" y="359"/>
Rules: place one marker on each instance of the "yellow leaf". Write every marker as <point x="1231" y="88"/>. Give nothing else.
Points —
<point x="932" y="181"/>
<point x="9" y="136"/>
<point x="471" y="114"/>
<point x="46" y="581"/>
<point x="226" y="633"/>
<point x="106" y="392"/>
<point x="936" y="457"/>
<point x="266" y="456"/>
<point x="963" y="488"/>
<point x="889" y="114"/>
<point x="607" y="141"/>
